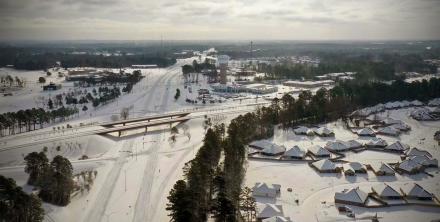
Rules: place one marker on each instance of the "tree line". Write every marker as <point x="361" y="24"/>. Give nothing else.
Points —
<point x="27" y="60"/>
<point x="27" y="120"/>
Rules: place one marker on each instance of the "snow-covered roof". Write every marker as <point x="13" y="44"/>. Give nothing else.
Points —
<point x="324" y="164"/>
<point x="377" y="142"/>
<point x="385" y="190"/>
<point x="365" y="132"/>
<point x="397" y="146"/>
<point x="356" y="166"/>
<point x="260" y="144"/>
<point x="324" y="131"/>
<point x="269" y="210"/>
<point x="389" y="131"/>
<point x="263" y="189"/>
<point x="390" y="121"/>
<point x="295" y="152"/>
<point x="277" y="219"/>
<point x="409" y="165"/>
<point x="434" y="102"/>
<point x="422" y="114"/>
<point x="418" y="152"/>
<point x="336" y="145"/>
<point x="401" y="126"/>
<point x="303" y="130"/>
<point x="354" y="195"/>
<point x="353" y="144"/>
<point x="274" y="149"/>
<point x="384" y="168"/>
<point x="318" y="151"/>
<point x="416" y="191"/>
<point x="416" y="103"/>
<point x="424" y="160"/>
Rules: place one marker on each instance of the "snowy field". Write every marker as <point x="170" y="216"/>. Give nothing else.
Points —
<point x="315" y="191"/>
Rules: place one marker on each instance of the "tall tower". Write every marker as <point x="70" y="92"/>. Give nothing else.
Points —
<point x="223" y="63"/>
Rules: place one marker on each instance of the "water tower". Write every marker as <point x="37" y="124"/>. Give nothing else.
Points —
<point x="223" y="64"/>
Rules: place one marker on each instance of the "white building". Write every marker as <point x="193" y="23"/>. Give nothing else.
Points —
<point x="295" y="153"/>
<point x="353" y="196"/>
<point x="265" y="211"/>
<point x="265" y="190"/>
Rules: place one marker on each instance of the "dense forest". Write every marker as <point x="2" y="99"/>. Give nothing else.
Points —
<point x="27" y="59"/>
<point x="214" y="188"/>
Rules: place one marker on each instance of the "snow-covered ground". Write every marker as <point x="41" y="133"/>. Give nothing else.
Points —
<point x="135" y="172"/>
<point x="315" y="191"/>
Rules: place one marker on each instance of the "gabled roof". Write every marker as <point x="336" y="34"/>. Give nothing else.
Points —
<point x="409" y="165"/>
<point x="336" y="145"/>
<point x="354" y="195"/>
<point x="302" y="130"/>
<point x="391" y="121"/>
<point x="318" y="151"/>
<point x="377" y="142"/>
<point x="389" y="131"/>
<point x="401" y="126"/>
<point x="356" y="166"/>
<point x="416" y="103"/>
<point x="383" y="167"/>
<point x="269" y="210"/>
<point x="295" y="152"/>
<point x="260" y="144"/>
<point x="277" y="219"/>
<point x="397" y="146"/>
<point x="417" y="191"/>
<point x="274" y="149"/>
<point x="323" y="131"/>
<point x="384" y="190"/>
<point x="324" y="164"/>
<point x="418" y="152"/>
<point x="353" y="144"/>
<point x="365" y="132"/>
<point x="263" y="188"/>
<point x="424" y="160"/>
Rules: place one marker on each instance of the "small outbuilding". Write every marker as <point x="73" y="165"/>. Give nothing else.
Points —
<point x="353" y="196"/>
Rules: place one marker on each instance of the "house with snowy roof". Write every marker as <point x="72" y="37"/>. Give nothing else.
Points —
<point x="324" y="132"/>
<point x="418" y="152"/>
<point x="367" y="131"/>
<point x="295" y="153"/>
<point x="266" y="190"/>
<point x="336" y="146"/>
<point x="273" y="150"/>
<point x="416" y="192"/>
<point x="409" y="166"/>
<point x="354" y="196"/>
<point x="318" y="151"/>
<point x="260" y="144"/>
<point x="277" y="219"/>
<point x="386" y="191"/>
<point x="382" y="169"/>
<point x="388" y="131"/>
<point x="424" y="161"/>
<point x="397" y="147"/>
<point x="325" y="166"/>
<point x="267" y="210"/>
<point x="354" y="168"/>
<point x="302" y="130"/>
<point x="416" y="103"/>
<point x="353" y="144"/>
<point x="376" y="142"/>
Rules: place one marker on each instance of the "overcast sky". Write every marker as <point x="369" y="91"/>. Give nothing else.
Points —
<point x="219" y="19"/>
